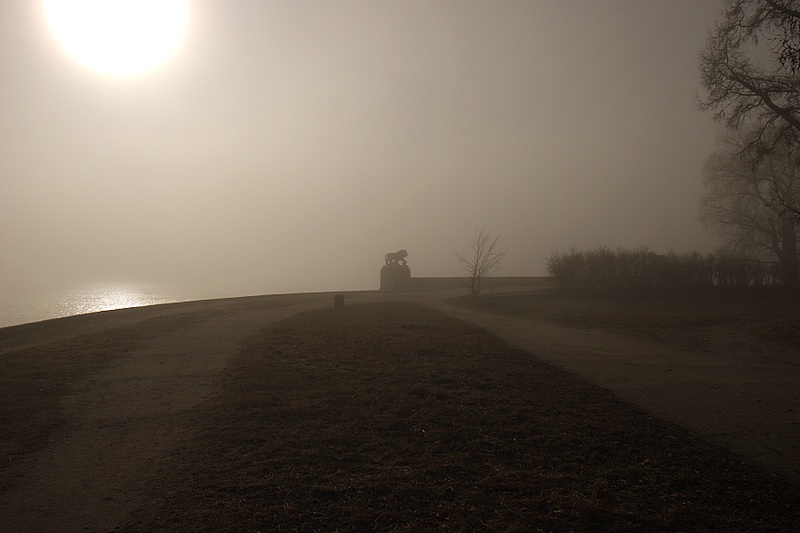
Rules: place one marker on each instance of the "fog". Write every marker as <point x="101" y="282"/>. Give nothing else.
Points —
<point x="288" y="145"/>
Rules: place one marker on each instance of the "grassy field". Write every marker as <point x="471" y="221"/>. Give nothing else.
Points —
<point x="393" y="416"/>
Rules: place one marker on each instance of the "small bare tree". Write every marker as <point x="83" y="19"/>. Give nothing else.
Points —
<point x="483" y="259"/>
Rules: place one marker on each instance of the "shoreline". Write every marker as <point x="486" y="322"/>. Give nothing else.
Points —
<point x="188" y="302"/>
<point x="52" y="303"/>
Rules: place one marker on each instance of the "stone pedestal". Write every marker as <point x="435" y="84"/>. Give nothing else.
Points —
<point x="395" y="277"/>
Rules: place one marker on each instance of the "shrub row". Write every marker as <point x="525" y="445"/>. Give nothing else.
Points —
<point x="604" y="269"/>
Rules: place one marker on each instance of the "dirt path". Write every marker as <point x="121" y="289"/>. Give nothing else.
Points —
<point x="91" y="475"/>
<point x="748" y="401"/>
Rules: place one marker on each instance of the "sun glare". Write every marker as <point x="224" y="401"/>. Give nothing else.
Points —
<point x="120" y="37"/>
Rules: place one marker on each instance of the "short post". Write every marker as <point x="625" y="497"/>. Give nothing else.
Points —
<point x="338" y="300"/>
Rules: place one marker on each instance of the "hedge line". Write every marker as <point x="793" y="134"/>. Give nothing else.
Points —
<point x="604" y="269"/>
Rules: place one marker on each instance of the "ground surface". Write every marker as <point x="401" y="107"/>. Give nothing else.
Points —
<point x="726" y="366"/>
<point x="182" y="415"/>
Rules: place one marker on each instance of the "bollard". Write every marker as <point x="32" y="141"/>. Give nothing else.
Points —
<point x="338" y="300"/>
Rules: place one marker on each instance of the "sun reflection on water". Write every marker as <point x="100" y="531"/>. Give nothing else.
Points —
<point x="94" y="298"/>
<point x="107" y="297"/>
<point x="33" y="306"/>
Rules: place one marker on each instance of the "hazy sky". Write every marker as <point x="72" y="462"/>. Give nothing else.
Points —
<point x="288" y="145"/>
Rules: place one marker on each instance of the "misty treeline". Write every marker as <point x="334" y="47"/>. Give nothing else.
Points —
<point x="605" y="270"/>
<point x="750" y="70"/>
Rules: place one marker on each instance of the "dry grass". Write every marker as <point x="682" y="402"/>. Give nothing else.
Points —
<point x="393" y="416"/>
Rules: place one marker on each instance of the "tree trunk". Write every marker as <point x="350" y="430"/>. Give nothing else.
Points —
<point x="790" y="261"/>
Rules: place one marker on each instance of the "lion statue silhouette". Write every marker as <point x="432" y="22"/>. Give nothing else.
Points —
<point x="398" y="257"/>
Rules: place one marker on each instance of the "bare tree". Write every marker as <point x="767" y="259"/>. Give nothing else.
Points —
<point x="749" y="68"/>
<point x="787" y="15"/>
<point x="483" y="259"/>
<point x="754" y="207"/>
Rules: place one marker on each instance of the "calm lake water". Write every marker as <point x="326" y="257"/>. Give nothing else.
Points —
<point x="32" y="306"/>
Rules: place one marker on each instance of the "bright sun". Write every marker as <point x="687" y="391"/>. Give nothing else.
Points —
<point x="121" y="37"/>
